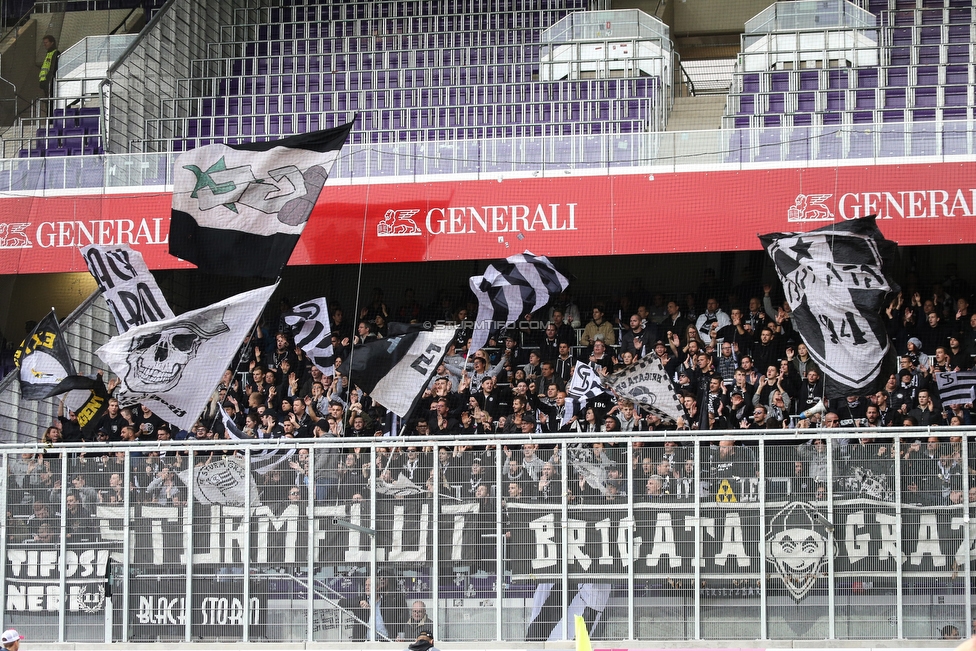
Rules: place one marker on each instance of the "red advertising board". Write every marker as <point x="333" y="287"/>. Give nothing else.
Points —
<point x="569" y="215"/>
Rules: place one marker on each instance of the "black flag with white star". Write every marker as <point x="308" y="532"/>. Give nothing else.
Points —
<point x="240" y="209"/>
<point x="837" y="280"/>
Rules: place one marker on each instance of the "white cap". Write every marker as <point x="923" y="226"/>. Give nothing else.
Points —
<point x="10" y="636"/>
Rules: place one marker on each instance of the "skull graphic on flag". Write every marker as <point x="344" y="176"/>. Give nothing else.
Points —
<point x="836" y="282"/>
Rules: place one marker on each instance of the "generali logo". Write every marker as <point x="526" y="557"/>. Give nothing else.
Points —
<point x="14" y="236"/>
<point x="810" y="208"/>
<point x="458" y="220"/>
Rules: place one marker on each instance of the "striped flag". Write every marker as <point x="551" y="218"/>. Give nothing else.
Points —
<point x="522" y="284"/>
<point x="313" y="333"/>
<point x="240" y="209"/>
<point x="262" y="461"/>
<point x="956" y="388"/>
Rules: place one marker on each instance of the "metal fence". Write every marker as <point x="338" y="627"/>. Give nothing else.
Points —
<point x="845" y="537"/>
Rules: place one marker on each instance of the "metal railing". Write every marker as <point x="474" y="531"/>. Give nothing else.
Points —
<point x="747" y="536"/>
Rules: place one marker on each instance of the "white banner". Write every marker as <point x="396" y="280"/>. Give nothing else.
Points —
<point x="129" y="289"/>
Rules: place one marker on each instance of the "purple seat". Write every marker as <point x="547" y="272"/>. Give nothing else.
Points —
<point x="769" y="145"/>
<point x="954" y="140"/>
<point x="802" y="119"/>
<point x="955" y="96"/>
<point x="923" y="115"/>
<point x="924" y="140"/>
<point x="895" y="97"/>
<point x="930" y="35"/>
<point x="831" y="144"/>
<point x="835" y="101"/>
<point x="900" y="56"/>
<point x="864" y="99"/>
<point x="809" y="80"/>
<point x="901" y="35"/>
<point x="777" y="103"/>
<point x="867" y="78"/>
<point x="928" y="55"/>
<point x="957" y="53"/>
<point x="897" y="77"/>
<point x="957" y="75"/>
<point x="747" y="104"/>
<point x="779" y="81"/>
<point x="863" y="117"/>
<point x="927" y="76"/>
<point x="837" y="79"/>
<point x="926" y="96"/>
<point x="750" y="83"/>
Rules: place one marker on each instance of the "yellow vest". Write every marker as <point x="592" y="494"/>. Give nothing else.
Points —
<point x="46" y="66"/>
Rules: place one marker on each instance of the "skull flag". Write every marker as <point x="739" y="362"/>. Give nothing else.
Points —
<point x="836" y="281"/>
<point x="240" y="209"/>
<point x="173" y="365"/>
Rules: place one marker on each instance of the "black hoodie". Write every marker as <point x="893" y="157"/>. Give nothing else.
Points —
<point x="422" y="645"/>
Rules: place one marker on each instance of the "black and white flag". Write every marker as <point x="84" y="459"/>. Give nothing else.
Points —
<point x="313" y="333"/>
<point x="224" y="482"/>
<point x="956" y="388"/>
<point x="88" y="398"/>
<point x="43" y="359"/>
<point x="240" y="209"/>
<point x="585" y="382"/>
<point x="836" y="280"/>
<point x="395" y="370"/>
<point x="647" y="384"/>
<point x="129" y="289"/>
<point x="263" y="460"/>
<point x="522" y="284"/>
<point x="174" y="365"/>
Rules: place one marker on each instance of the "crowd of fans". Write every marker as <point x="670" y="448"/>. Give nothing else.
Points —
<point x="744" y="369"/>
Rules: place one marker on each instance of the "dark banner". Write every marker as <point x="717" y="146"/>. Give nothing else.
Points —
<point x="158" y="608"/>
<point x="798" y="539"/>
<point x="661" y="539"/>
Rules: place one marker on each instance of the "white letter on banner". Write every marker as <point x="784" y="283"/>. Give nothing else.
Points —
<point x="603" y="528"/>
<point x="545" y="544"/>
<point x="889" y="537"/>
<point x="732" y="543"/>
<point x="928" y="542"/>
<point x="460" y="512"/>
<point x="576" y="536"/>
<point x="663" y="542"/>
<point x="856" y="545"/>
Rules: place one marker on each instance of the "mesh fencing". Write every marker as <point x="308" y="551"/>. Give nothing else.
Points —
<point x="845" y="537"/>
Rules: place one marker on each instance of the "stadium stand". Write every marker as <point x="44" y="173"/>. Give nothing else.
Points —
<point x="894" y="62"/>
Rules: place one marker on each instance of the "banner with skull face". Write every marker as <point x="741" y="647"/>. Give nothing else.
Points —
<point x="173" y="365"/>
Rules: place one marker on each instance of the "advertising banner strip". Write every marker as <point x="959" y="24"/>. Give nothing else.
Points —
<point x="617" y="214"/>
